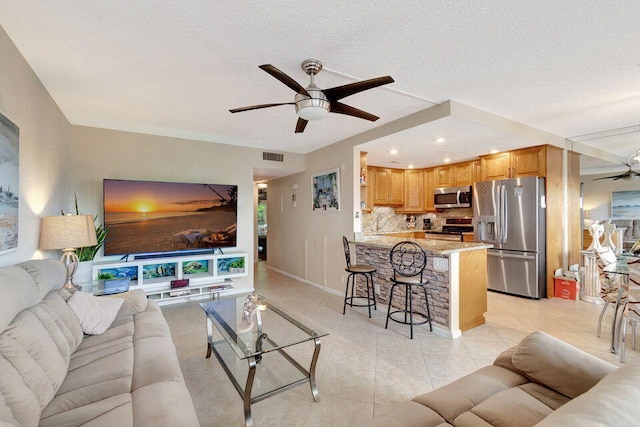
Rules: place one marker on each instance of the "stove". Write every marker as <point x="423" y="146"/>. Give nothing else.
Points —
<point x="458" y="225"/>
<point x="452" y="229"/>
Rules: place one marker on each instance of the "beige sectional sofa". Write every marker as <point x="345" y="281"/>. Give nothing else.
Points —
<point x="51" y="374"/>
<point x="542" y="381"/>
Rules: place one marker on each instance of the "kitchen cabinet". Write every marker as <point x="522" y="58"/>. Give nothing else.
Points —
<point x="388" y="186"/>
<point x="462" y="174"/>
<point x="429" y="186"/>
<point x="476" y="171"/>
<point x="455" y="175"/>
<point x="514" y="164"/>
<point x="467" y="237"/>
<point x="413" y="192"/>
<point x="444" y="176"/>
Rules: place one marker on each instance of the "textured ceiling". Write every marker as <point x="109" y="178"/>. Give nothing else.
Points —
<point x="175" y="68"/>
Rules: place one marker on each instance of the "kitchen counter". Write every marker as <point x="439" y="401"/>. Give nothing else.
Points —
<point x="457" y="274"/>
<point x="442" y="247"/>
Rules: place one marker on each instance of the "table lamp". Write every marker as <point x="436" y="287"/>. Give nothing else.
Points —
<point x="68" y="232"/>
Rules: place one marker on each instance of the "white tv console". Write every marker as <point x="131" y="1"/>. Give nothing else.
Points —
<point x="209" y="275"/>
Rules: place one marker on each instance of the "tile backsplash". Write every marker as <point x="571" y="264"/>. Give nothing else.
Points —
<point x="384" y="219"/>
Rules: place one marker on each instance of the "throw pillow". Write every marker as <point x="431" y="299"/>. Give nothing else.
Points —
<point x="95" y="314"/>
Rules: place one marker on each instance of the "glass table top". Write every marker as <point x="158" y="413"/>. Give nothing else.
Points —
<point x="253" y="325"/>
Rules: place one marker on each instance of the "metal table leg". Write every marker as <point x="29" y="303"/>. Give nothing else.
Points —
<point x="248" y="421"/>
<point x="312" y="371"/>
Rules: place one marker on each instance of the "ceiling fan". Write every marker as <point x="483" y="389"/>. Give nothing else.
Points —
<point x="633" y="159"/>
<point x="313" y="103"/>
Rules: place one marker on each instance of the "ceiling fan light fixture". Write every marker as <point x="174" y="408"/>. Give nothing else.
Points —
<point x="312" y="108"/>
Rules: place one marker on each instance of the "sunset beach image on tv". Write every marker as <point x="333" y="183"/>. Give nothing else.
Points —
<point x="152" y="217"/>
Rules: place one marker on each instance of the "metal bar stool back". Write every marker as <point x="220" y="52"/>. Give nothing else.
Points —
<point x="354" y="270"/>
<point x="408" y="261"/>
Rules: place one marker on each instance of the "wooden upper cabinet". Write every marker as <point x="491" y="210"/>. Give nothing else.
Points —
<point x="495" y="166"/>
<point x="476" y="171"/>
<point x="514" y="164"/>
<point x="413" y="191"/>
<point x="462" y="174"/>
<point x="429" y="186"/>
<point x="445" y="176"/>
<point x="388" y="186"/>
<point x="396" y="187"/>
<point x="529" y="162"/>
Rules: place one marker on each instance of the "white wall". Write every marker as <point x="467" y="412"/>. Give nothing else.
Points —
<point x="304" y="243"/>
<point x="102" y="153"/>
<point x="44" y="148"/>
<point x="597" y="194"/>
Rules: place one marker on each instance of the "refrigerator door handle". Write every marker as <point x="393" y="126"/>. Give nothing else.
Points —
<point x="505" y="223"/>
<point x="505" y="255"/>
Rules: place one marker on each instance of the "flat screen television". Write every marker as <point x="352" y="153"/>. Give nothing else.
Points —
<point x="147" y="217"/>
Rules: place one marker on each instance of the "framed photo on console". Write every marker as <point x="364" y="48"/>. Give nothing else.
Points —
<point x="325" y="190"/>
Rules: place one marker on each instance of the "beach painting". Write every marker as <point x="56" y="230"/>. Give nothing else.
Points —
<point x="9" y="161"/>
<point x="163" y="217"/>
<point x="325" y="189"/>
<point x="625" y="204"/>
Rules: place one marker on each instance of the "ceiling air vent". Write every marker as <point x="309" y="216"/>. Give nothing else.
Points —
<point x="275" y="157"/>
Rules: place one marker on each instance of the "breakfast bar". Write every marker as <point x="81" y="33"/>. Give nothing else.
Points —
<point x="457" y="273"/>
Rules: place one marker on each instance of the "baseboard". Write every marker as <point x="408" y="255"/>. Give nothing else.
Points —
<point x="308" y="282"/>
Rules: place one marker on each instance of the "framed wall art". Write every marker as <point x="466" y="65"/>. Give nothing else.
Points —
<point x="325" y="191"/>
<point x="625" y="204"/>
<point x="9" y="190"/>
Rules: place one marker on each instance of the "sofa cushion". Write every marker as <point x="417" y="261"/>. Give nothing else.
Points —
<point x="463" y="394"/>
<point x="135" y="301"/>
<point x="512" y="407"/>
<point x="407" y="414"/>
<point x="34" y="353"/>
<point x="48" y="274"/>
<point x="95" y="314"/>
<point x="558" y="365"/>
<point x="611" y="402"/>
<point x="6" y="417"/>
<point x="17" y="292"/>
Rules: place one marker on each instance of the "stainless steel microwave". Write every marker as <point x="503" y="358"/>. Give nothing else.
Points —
<point x="452" y="197"/>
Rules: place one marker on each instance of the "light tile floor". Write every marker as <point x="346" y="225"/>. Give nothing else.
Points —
<point x="364" y="369"/>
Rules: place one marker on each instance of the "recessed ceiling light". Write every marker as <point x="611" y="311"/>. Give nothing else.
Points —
<point x="447" y="160"/>
<point x="494" y="151"/>
<point x="394" y="151"/>
<point x="440" y="140"/>
<point x="410" y="166"/>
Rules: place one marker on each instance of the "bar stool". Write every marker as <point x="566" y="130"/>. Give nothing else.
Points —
<point x="408" y="261"/>
<point x="367" y="272"/>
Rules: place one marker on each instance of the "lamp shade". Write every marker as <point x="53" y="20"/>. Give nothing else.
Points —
<point x="67" y="231"/>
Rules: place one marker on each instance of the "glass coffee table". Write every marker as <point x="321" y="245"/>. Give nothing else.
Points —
<point x="254" y="334"/>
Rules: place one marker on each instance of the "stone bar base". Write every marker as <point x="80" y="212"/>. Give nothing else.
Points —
<point x="437" y="288"/>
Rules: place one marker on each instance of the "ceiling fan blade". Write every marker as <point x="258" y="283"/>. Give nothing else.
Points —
<point x="284" y="79"/>
<point x="257" y="107"/>
<point x="302" y="123"/>
<point x="339" y="92"/>
<point x="609" y="177"/>
<point x="340" y="108"/>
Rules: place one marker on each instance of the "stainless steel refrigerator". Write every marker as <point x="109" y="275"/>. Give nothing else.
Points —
<point x="510" y="214"/>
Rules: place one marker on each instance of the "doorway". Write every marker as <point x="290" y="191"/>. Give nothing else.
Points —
<point x="262" y="221"/>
